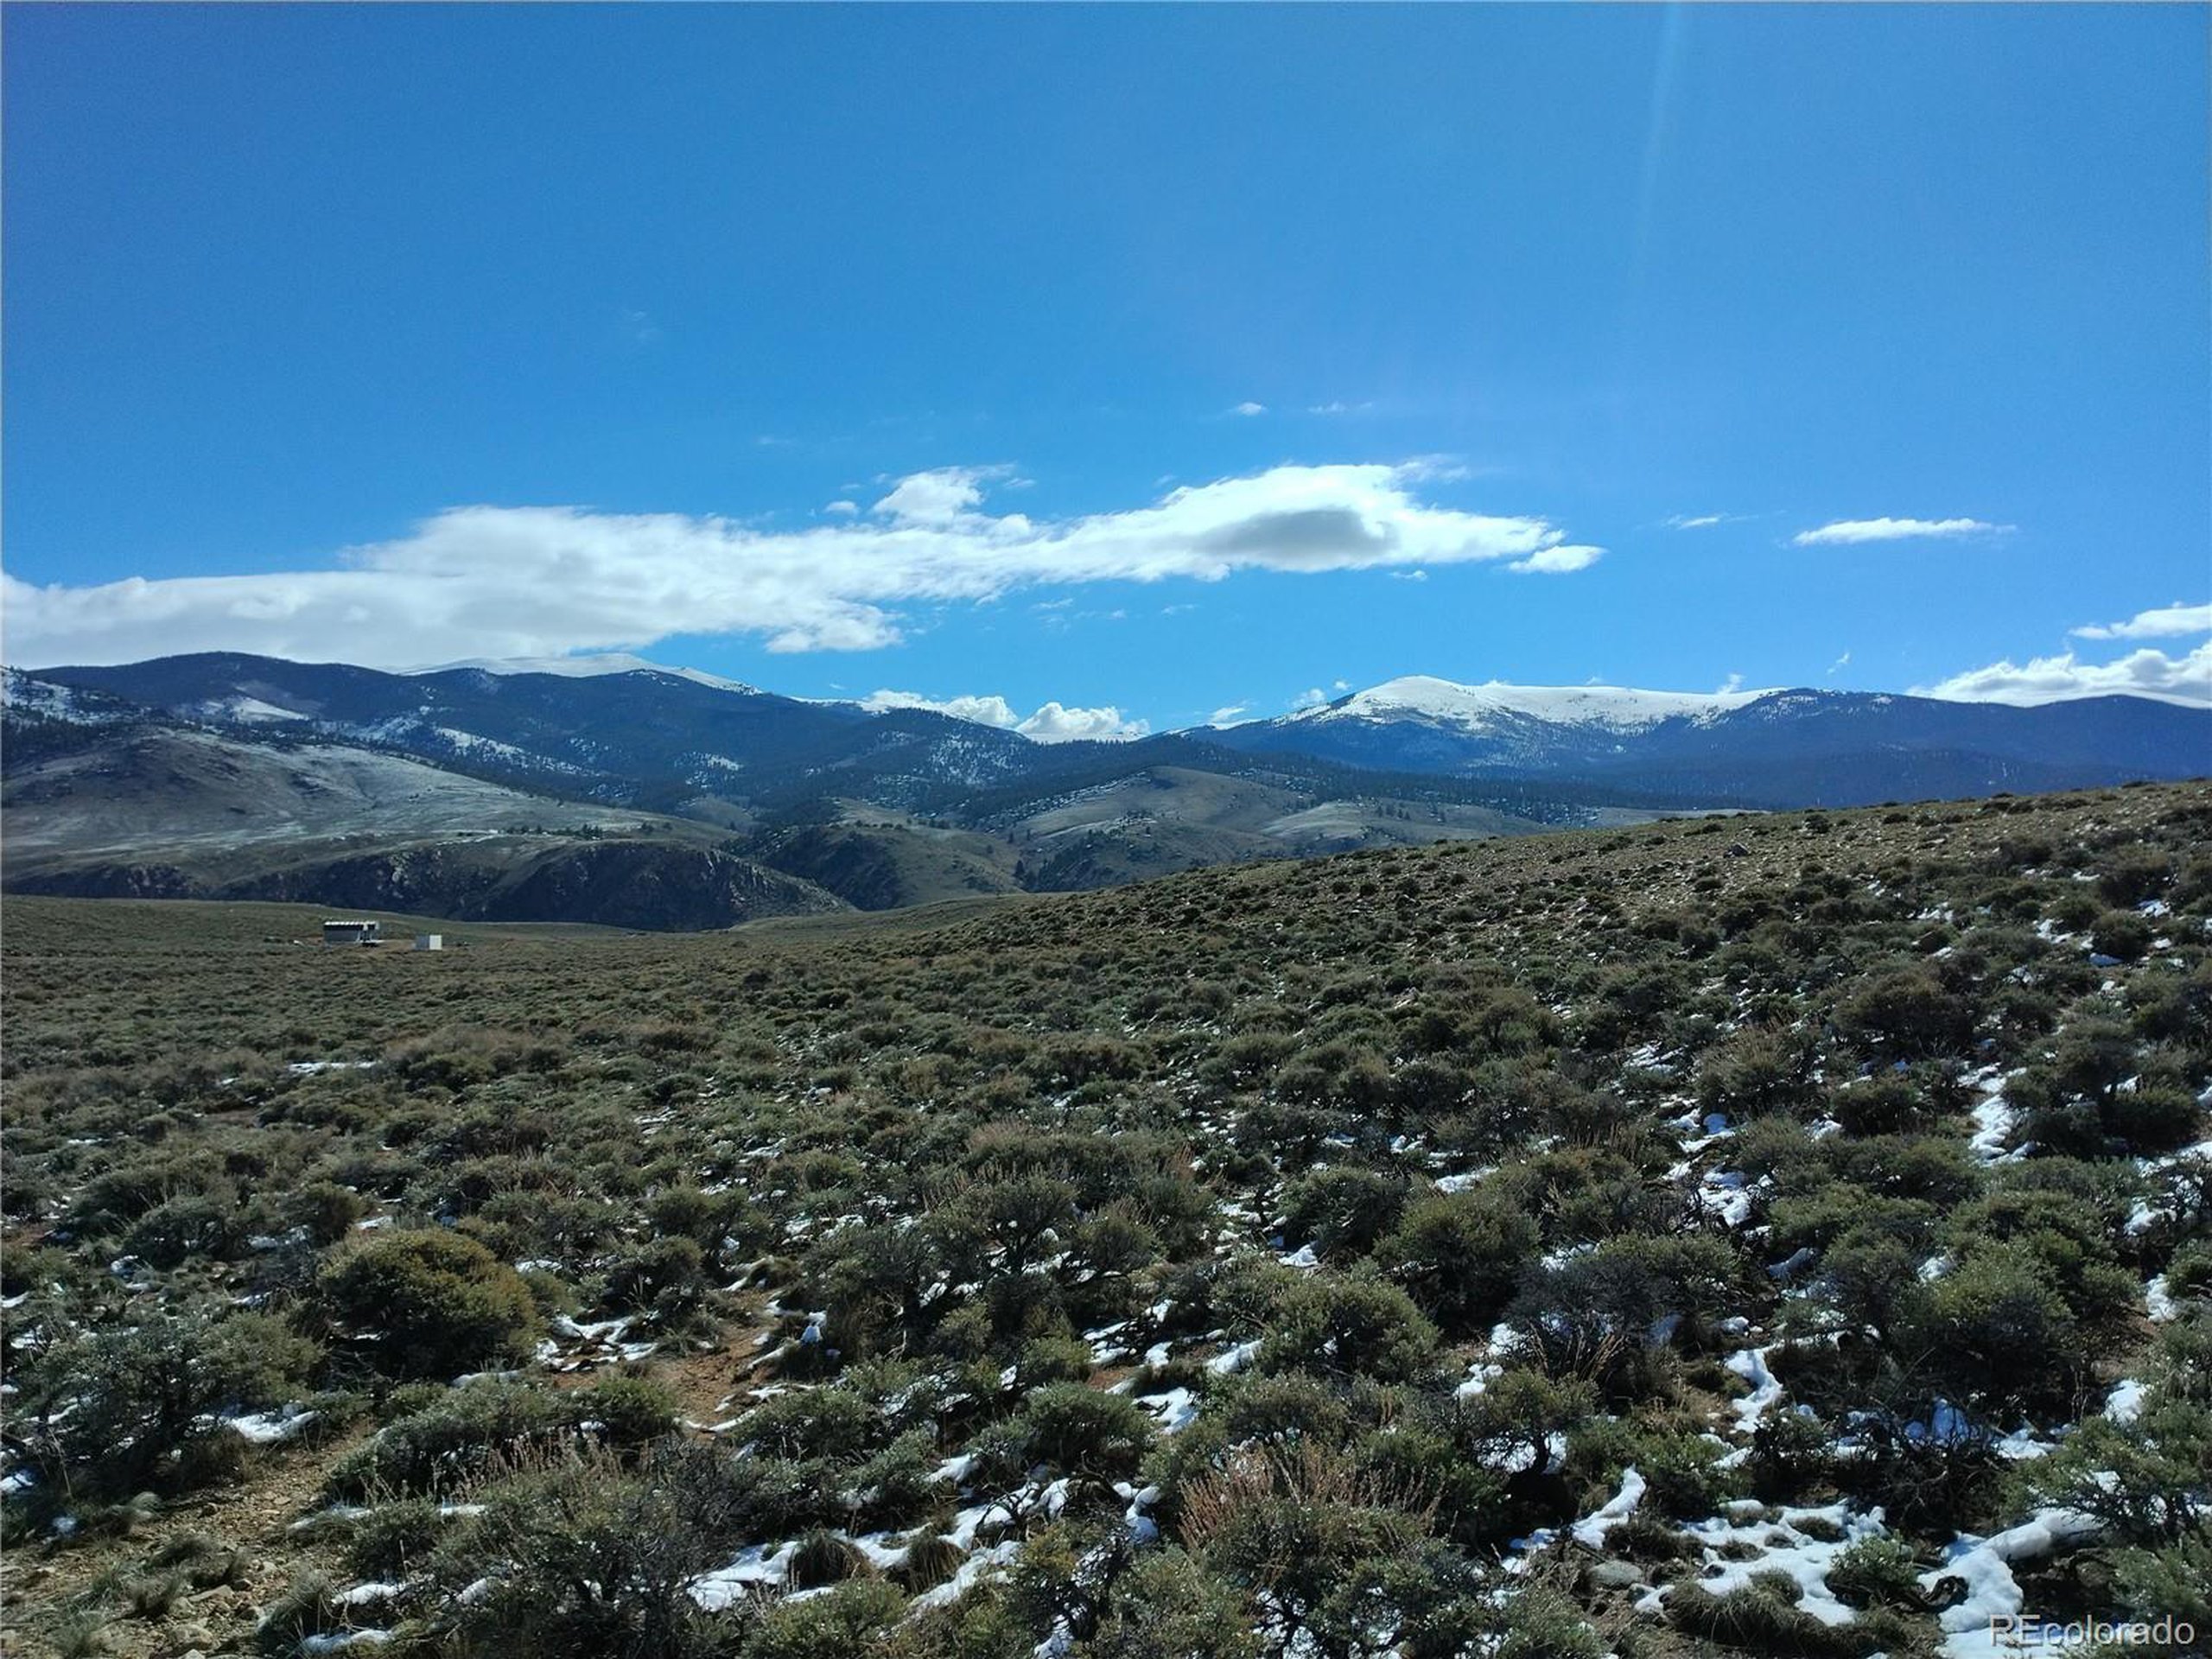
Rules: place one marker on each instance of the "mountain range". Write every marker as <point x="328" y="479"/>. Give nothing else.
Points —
<point x="612" y="790"/>
<point x="1771" y="749"/>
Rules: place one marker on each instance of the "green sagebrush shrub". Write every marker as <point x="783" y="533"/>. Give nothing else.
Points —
<point x="588" y="1558"/>
<point x="1344" y="1326"/>
<point x="427" y="1304"/>
<point x="1342" y="1211"/>
<point x="1460" y="1255"/>
<point x="124" y="1407"/>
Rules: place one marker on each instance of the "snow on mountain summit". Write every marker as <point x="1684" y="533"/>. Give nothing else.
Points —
<point x="588" y="667"/>
<point x="1477" y="708"/>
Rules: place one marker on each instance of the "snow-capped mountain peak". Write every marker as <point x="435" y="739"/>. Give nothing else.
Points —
<point x="588" y="667"/>
<point x="1479" y="708"/>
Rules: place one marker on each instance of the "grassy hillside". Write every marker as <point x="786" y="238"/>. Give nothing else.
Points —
<point x="1692" y="1238"/>
<point x="878" y="861"/>
<point x="165" y="812"/>
<point x="178" y="794"/>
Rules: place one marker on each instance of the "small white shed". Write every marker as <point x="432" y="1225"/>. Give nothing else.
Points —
<point x="430" y="941"/>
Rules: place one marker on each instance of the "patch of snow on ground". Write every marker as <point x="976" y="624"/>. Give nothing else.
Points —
<point x="955" y="1469"/>
<point x="757" y="1567"/>
<point x="1985" y="1566"/>
<point x="1478" y="1379"/>
<point x="377" y="1589"/>
<point x="1779" y="1547"/>
<point x="1592" y="1529"/>
<point x="1750" y="1364"/>
<point x="1235" y="1359"/>
<point x="271" y="1427"/>
<point x="2023" y="1444"/>
<point x="990" y="1563"/>
<point x="882" y="1554"/>
<point x="1176" y="1409"/>
<point x="2158" y="1302"/>
<point x="1723" y="1193"/>
<point x="1797" y="1260"/>
<point x="1994" y="1120"/>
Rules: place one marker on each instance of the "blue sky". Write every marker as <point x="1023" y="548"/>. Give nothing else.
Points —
<point x="1228" y="354"/>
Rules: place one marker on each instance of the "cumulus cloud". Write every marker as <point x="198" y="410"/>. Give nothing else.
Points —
<point x="2144" y="673"/>
<point x="1557" y="561"/>
<point x="1313" y="697"/>
<point x="542" y="582"/>
<point x="1247" y="408"/>
<point x="843" y="509"/>
<point x="1053" y="724"/>
<point x="1844" y="532"/>
<point x="2171" y="620"/>
<point x="984" y="711"/>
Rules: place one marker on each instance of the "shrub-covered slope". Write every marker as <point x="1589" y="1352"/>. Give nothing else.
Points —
<point x="1788" y="1236"/>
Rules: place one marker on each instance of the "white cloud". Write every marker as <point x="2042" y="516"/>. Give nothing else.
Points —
<point x="1341" y="685"/>
<point x="1851" y="532"/>
<point x="1703" y="521"/>
<point x="1733" y="682"/>
<point x="1312" y="697"/>
<point x="1231" y="716"/>
<point x="544" y="581"/>
<point x="1337" y="406"/>
<point x="2175" y="618"/>
<point x="1247" y="408"/>
<point x="1053" y="724"/>
<point x="2144" y="673"/>
<point x="843" y="509"/>
<point x="1838" y="666"/>
<point x="984" y="711"/>
<point x="1557" y="561"/>
<point x="1409" y="575"/>
<point x="942" y="497"/>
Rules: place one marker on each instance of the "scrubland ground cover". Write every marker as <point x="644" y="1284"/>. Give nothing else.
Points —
<point x="1786" y="1236"/>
